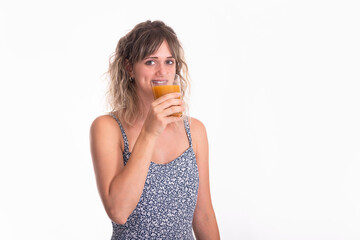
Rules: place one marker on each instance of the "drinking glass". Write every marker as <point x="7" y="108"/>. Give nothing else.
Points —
<point x="162" y="87"/>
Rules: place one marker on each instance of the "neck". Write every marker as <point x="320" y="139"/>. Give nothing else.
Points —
<point x="144" y="106"/>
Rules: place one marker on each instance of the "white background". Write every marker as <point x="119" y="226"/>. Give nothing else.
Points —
<point x="276" y="83"/>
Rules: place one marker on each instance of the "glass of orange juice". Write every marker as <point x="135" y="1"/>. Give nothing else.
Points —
<point x="164" y="86"/>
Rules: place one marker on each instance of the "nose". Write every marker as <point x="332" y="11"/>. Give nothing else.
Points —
<point x="161" y="70"/>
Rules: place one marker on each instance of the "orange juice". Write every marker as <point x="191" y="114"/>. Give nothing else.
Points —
<point x="161" y="90"/>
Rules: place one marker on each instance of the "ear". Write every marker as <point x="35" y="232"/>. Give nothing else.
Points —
<point x="129" y="68"/>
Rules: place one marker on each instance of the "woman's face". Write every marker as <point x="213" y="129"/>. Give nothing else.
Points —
<point x="160" y="65"/>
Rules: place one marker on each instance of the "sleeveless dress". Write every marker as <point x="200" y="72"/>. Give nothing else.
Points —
<point x="166" y="207"/>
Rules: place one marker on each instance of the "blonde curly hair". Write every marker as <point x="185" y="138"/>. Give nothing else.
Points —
<point x="143" y="40"/>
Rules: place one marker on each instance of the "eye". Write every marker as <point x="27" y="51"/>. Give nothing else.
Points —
<point x="150" y="62"/>
<point x="170" y="62"/>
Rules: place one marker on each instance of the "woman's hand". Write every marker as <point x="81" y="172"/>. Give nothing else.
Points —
<point x="159" y="115"/>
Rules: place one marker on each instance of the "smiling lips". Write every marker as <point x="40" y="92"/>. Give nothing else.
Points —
<point x="159" y="82"/>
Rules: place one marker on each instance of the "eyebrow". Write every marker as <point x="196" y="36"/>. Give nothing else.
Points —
<point x="157" y="57"/>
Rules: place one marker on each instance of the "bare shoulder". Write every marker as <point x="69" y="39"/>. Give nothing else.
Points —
<point x="105" y="129"/>
<point x="198" y="133"/>
<point x="103" y="122"/>
<point x="197" y="127"/>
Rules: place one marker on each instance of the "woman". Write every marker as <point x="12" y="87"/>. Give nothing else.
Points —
<point x="152" y="171"/>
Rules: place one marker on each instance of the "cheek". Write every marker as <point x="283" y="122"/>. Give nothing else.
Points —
<point x="141" y="73"/>
<point x="171" y="68"/>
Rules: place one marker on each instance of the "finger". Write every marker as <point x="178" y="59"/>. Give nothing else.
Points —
<point x="168" y="103"/>
<point x="171" y="119"/>
<point x="166" y="97"/>
<point x="171" y="110"/>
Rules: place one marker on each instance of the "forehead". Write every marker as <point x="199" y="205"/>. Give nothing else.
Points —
<point x="163" y="50"/>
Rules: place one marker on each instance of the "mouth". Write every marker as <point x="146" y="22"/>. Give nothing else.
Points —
<point x="156" y="82"/>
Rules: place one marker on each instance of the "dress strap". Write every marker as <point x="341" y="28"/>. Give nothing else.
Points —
<point x="126" y="143"/>
<point x="187" y="129"/>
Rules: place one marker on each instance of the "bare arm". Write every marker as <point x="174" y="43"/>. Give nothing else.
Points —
<point x="204" y="222"/>
<point x="120" y="187"/>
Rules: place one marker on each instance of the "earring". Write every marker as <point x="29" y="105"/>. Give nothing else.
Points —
<point x="131" y="79"/>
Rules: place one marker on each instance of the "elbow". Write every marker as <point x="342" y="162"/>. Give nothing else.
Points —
<point x="117" y="217"/>
<point x="119" y="220"/>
